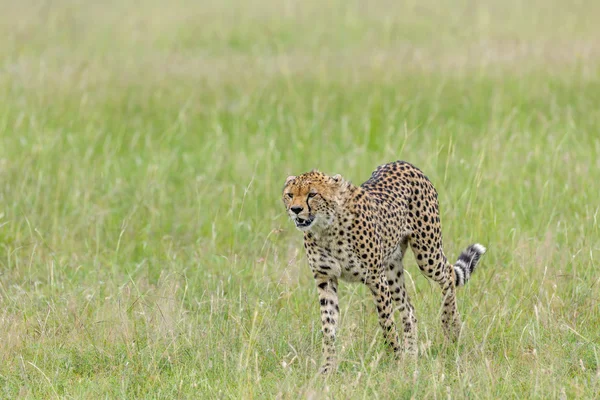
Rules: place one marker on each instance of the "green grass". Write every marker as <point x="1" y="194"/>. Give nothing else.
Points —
<point x="144" y="248"/>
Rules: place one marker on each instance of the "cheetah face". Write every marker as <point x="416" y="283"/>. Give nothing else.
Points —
<point x="302" y="208"/>
<point x="310" y="200"/>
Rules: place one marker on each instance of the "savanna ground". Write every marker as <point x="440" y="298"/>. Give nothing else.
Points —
<point x="144" y="248"/>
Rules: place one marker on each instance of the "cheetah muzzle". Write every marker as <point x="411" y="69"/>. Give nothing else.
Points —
<point x="361" y="234"/>
<point x="303" y="223"/>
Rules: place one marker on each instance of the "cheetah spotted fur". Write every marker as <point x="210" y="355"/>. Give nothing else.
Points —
<point x="361" y="233"/>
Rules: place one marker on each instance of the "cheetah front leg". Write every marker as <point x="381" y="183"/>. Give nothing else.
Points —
<point x="383" y="300"/>
<point x="328" y="298"/>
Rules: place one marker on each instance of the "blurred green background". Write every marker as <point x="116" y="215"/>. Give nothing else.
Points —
<point x="144" y="248"/>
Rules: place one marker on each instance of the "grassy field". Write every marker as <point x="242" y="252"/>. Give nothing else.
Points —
<point x="144" y="248"/>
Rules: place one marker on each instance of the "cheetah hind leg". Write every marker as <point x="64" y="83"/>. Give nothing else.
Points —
<point x="395" y="277"/>
<point x="384" y="303"/>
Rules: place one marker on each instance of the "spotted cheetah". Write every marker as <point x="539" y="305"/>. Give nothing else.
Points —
<point x="361" y="233"/>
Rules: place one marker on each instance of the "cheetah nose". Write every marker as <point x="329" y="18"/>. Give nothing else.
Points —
<point x="296" y="209"/>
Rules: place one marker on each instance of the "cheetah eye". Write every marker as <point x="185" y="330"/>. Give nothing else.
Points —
<point x="289" y="195"/>
<point x="311" y="195"/>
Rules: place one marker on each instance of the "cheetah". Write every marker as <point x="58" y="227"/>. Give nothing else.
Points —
<point x="361" y="233"/>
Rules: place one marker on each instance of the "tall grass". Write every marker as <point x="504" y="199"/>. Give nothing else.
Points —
<point x="144" y="248"/>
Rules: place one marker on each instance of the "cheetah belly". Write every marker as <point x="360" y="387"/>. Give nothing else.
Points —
<point x="352" y="268"/>
<point x="350" y="265"/>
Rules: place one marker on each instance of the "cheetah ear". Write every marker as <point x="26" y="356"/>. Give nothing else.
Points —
<point x="337" y="178"/>
<point x="289" y="179"/>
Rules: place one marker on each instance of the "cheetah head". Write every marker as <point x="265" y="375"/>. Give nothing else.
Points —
<point x="311" y="199"/>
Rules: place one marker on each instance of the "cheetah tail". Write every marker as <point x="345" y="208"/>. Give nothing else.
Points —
<point x="466" y="263"/>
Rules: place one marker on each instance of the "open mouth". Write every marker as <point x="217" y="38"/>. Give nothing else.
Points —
<point x="303" y="223"/>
